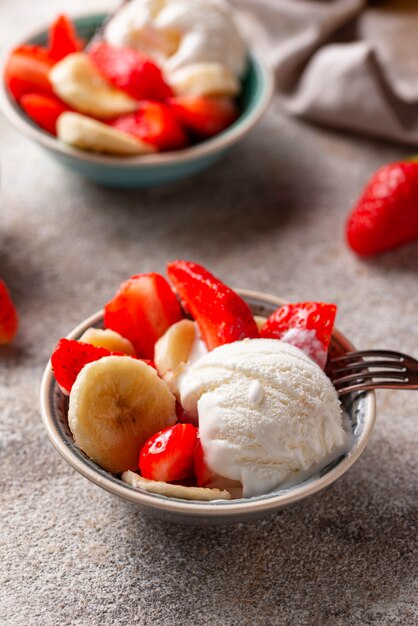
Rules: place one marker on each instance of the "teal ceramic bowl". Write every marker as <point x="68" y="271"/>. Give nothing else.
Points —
<point x="148" y="170"/>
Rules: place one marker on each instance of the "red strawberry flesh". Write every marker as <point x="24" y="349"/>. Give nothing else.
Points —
<point x="43" y="109"/>
<point x="130" y="71"/>
<point x="69" y="358"/>
<point x="306" y="325"/>
<point x="8" y="316"/>
<point x="153" y="123"/>
<point x="169" y="454"/>
<point x="221" y="314"/>
<point x="204" y="476"/>
<point x="142" y="310"/>
<point x="204" y="116"/>
<point x="62" y="38"/>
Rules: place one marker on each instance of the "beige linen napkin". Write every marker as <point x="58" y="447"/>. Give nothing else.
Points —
<point x="351" y="64"/>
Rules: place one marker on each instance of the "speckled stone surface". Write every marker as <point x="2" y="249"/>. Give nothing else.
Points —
<point x="269" y="217"/>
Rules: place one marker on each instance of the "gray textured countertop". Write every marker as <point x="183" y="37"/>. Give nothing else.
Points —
<point x="268" y="217"/>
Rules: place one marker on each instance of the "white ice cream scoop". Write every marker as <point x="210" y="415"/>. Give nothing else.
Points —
<point x="180" y="33"/>
<point x="266" y="411"/>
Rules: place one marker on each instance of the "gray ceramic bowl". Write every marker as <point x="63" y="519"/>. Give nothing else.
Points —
<point x="155" y="169"/>
<point x="359" y="407"/>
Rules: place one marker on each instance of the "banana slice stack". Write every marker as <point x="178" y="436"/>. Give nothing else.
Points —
<point x="78" y="83"/>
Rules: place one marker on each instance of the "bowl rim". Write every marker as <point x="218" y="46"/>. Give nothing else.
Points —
<point x="219" y="142"/>
<point x="196" y="509"/>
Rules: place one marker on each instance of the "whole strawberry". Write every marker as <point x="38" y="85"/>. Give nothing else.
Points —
<point x="8" y="316"/>
<point x="386" y="214"/>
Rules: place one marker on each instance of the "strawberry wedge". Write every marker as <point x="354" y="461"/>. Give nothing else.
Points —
<point x="222" y="316"/>
<point x="204" y="476"/>
<point x="306" y="325"/>
<point x="142" y="310"/>
<point x="63" y="39"/>
<point x="154" y="123"/>
<point x="131" y="71"/>
<point x="169" y="454"/>
<point x="204" y="116"/>
<point x="43" y="109"/>
<point x="69" y="358"/>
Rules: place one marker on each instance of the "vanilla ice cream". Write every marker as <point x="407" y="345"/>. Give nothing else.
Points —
<point x="266" y="411"/>
<point x="180" y="33"/>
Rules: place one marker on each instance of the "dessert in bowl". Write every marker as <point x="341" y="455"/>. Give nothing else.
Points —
<point x="136" y="116"/>
<point x="234" y="424"/>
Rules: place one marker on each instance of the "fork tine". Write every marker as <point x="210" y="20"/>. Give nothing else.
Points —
<point x="362" y="376"/>
<point x="389" y="354"/>
<point x="366" y="365"/>
<point x="398" y="384"/>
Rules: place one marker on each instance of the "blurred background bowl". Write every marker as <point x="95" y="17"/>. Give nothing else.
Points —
<point x="156" y="169"/>
<point x="360" y="409"/>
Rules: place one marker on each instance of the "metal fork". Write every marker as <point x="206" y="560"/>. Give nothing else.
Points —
<point x="373" y="369"/>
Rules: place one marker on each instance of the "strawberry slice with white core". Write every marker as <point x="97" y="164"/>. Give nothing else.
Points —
<point x="169" y="454"/>
<point x="306" y="325"/>
<point x="221" y="314"/>
<point x="142" y="310"/>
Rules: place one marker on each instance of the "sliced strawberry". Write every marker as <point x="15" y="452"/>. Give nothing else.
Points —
<point x="27" y="70"/>
<point x="182" y="416"/>
<point x="43" y="109"/>
<point x="154" y="123"/>
<point x="62" y="38"/>
<point x="203" y="115"/>
<point x="222" y="316"/>
<point x="142" y="310"/>
<point x="69" y="358"/>
<point x="8" y="316"/>
<point x="130" y="71"/>
<point x="306" y="325"/>
<point x="168" y="455"/>
<point x="204" y="476"/>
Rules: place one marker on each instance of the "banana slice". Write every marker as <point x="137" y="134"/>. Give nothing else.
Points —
<point x="174" y="491"/>
<point x="173" y="349"/>
<point x="260" y="321"/>
<point x="77" y="82"/>
<point x="83" y="132"/>
<point x="109" y="339"/>
<point x="204" y="79"/>
<point x="116" y="404"/>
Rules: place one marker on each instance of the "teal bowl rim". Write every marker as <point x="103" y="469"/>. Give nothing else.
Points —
<point x="225" y="510"/>
<point x="220" y="142"/>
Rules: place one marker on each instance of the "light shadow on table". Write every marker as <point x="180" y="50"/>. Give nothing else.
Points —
<point x="244" y="195"/>
<point x="350" y="548"/>
<point x="402" y="260"/>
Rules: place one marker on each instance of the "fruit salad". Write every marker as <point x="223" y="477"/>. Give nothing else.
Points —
<point x="162" y="76"/>
<point x="185" y="393"/>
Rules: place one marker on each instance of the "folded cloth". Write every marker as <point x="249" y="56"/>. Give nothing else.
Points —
<point x="351" y="64"/>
